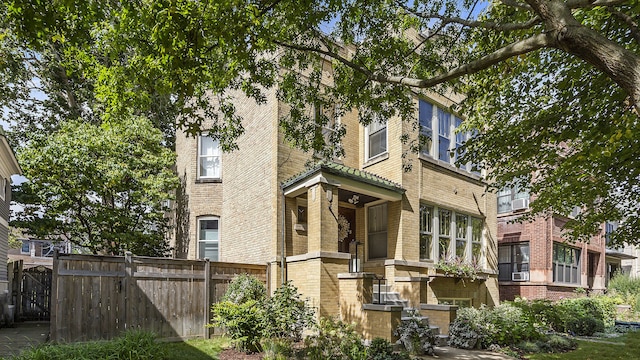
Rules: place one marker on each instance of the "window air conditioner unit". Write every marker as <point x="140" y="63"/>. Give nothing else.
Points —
<point x="519" y="204"/>
<point x="520" y="276"/>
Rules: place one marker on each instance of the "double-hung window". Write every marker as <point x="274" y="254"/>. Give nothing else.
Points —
<point x="461" y="137"/>
<point x="507" y="195"/>
<point x="462" y="222"/>
<point x="209" y="238"/>
<point x="444" y="135"/>
<point x="426" y="232"/>
<point x="376" y="138"/>
<point x="425" y="115"/>
<point x="444" y="234"/>
<point x="513" y="258"/>
<point x="377" y="231"/>
<point x="476" y="239"/>
<point x="566" y="264"/>
<point x="209" y="159"/>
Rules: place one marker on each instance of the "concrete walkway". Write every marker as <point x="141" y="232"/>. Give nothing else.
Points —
<point x="22" y="336"/>
<point x="446" y="352"/>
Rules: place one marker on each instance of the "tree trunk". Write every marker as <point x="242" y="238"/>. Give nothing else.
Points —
<point x="620" y="64"/>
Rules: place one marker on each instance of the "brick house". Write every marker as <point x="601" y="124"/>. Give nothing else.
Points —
<point x="535" y="261"/>
<point x="260" y="202"/>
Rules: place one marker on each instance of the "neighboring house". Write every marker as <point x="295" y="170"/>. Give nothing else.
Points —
<point x="535" y="261"/>
<point x="257" y="203"/>
<point x="621" y="259"/>
<point x="8" y="166"/>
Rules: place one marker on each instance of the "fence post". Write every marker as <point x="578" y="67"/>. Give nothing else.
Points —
<point x="53" y="321"/>
<point x="207" y="298"/>
<point x="128" y="278"/>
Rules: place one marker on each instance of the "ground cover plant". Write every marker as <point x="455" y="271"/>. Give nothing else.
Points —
<point x="628" y="290"/>
<point x="625" y="347"/>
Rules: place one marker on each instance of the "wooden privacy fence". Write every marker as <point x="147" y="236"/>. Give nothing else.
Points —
<point x="99" y="297"/>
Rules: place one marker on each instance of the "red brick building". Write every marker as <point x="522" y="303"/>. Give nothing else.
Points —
<point x="535" y="262"/>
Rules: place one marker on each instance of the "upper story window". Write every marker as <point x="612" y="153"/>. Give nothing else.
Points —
<point x="425" y="117"/>
<point x="376" y="138"/>
<point x="566" y="264"/>
<point x="513" y="198"/>
<point x="327" y="118"/>
<point x="209" y="159"/>
<point x="209" y="238"/>
<point x="444" y="135"/>
<point x="448" y="139"/>
<point x="513" y="262"/>
<point x="609" y="228"/>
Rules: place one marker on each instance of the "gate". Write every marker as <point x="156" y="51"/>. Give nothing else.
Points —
<point x="36" y="294"/>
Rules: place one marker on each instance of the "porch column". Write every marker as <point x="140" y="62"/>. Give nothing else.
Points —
<point x="322" y="205"/>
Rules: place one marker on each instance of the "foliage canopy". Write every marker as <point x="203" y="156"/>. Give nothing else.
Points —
<point x="553" y="87"/>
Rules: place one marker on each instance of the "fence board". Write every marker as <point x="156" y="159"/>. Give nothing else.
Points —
<point x="98" y="297"/>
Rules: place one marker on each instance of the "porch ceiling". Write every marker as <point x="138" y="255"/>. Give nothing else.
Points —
<point x="617" y="254"/>
<point x="347" y="178"/>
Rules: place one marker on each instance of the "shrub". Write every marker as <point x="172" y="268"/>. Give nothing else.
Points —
<point x="277" y="349"/>
<point x="242" y="322"/>
<point x="335" y="340"/>
<point x="463" y="335"/>
<point x="529" y="347"/>
<point x="585" y="326"/>
<point x="415" y="335"/>
<point x="243" y="288"/>
<point x="382" y="349"/>
<point x="560" y="343"/>
<point x="286" y="315"/>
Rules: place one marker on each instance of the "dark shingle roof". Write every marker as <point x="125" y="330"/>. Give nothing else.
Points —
<point x="347" y="172"/>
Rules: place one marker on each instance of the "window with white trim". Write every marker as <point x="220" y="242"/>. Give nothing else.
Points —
<point x="3" y="193"/>
<point x="444" y="135"/>
<point x="444" y="234"/>
<point x="209" y="159"/>
<point x="462" y="229"/>
<point x="425" y="117"/>
<point x="377" y="231"/>
<point x="476" y="239"/>
<point x="461" y="137"/>
<point x="507" y="195"/>
<point x="426" y="232"/>
<point x="376" y="138"/>
<point x="209" y="238"/>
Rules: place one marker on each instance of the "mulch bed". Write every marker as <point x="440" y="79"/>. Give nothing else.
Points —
<point x="232" y="354"/>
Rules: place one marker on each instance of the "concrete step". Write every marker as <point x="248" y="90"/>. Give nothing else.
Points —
<point x="442" y="340"/>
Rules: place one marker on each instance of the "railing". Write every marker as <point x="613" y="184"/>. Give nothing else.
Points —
<point x="355" y="263"/>
<point x="379" y="296"/>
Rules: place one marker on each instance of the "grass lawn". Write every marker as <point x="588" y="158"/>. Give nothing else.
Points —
<point x="601" y="350"/>
<point x="199" y="349"/>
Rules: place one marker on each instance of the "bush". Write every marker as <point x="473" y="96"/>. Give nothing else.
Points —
<point x="242" y="322"/>
<point x="415" y="335"/>
<point x="277" y="349"/>
<point x="529" y="347"/>
<point x="560" y="343"/>
<point x="382" y="349"/>
<point x="335" y="340"/>
<point x="463" y="334"/>
<point x="286" y="315"/>
<point x="585" y="326"/>
<point x="243" y="288"/>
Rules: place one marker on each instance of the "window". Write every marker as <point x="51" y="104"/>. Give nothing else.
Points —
<point x="425" y="115"/>
<point x="566" y="264"/>
<point x="209" y="158"/>
<point x="444" y="234"/>
<point x="444" y="135"/>
<point x="476" y="239"/>
<point x="426" y="232"/>
<point x="507" y="195"/>
<point x="512" y="259"/>
<point x="609" y="228"/>
<point x="3" y="193"/>
<point x="459" y="302"/>
<point x="376" y="139"/>
<point x="461" y="137"/>
<point x="377" y="231"/>
<point x="462" y="223"/>
<point x="209" y="238"/>
<point x="26" y="247"/>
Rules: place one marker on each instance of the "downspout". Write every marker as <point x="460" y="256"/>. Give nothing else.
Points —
<point x="282" y="254"/>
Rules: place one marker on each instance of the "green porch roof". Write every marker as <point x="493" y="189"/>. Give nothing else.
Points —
<point x="346" y="172"/>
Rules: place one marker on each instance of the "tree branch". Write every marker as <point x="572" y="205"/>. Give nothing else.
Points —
<point x="630" y="21"/>
<point x="574" y="4"/>
<point x="482" y="24"/>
